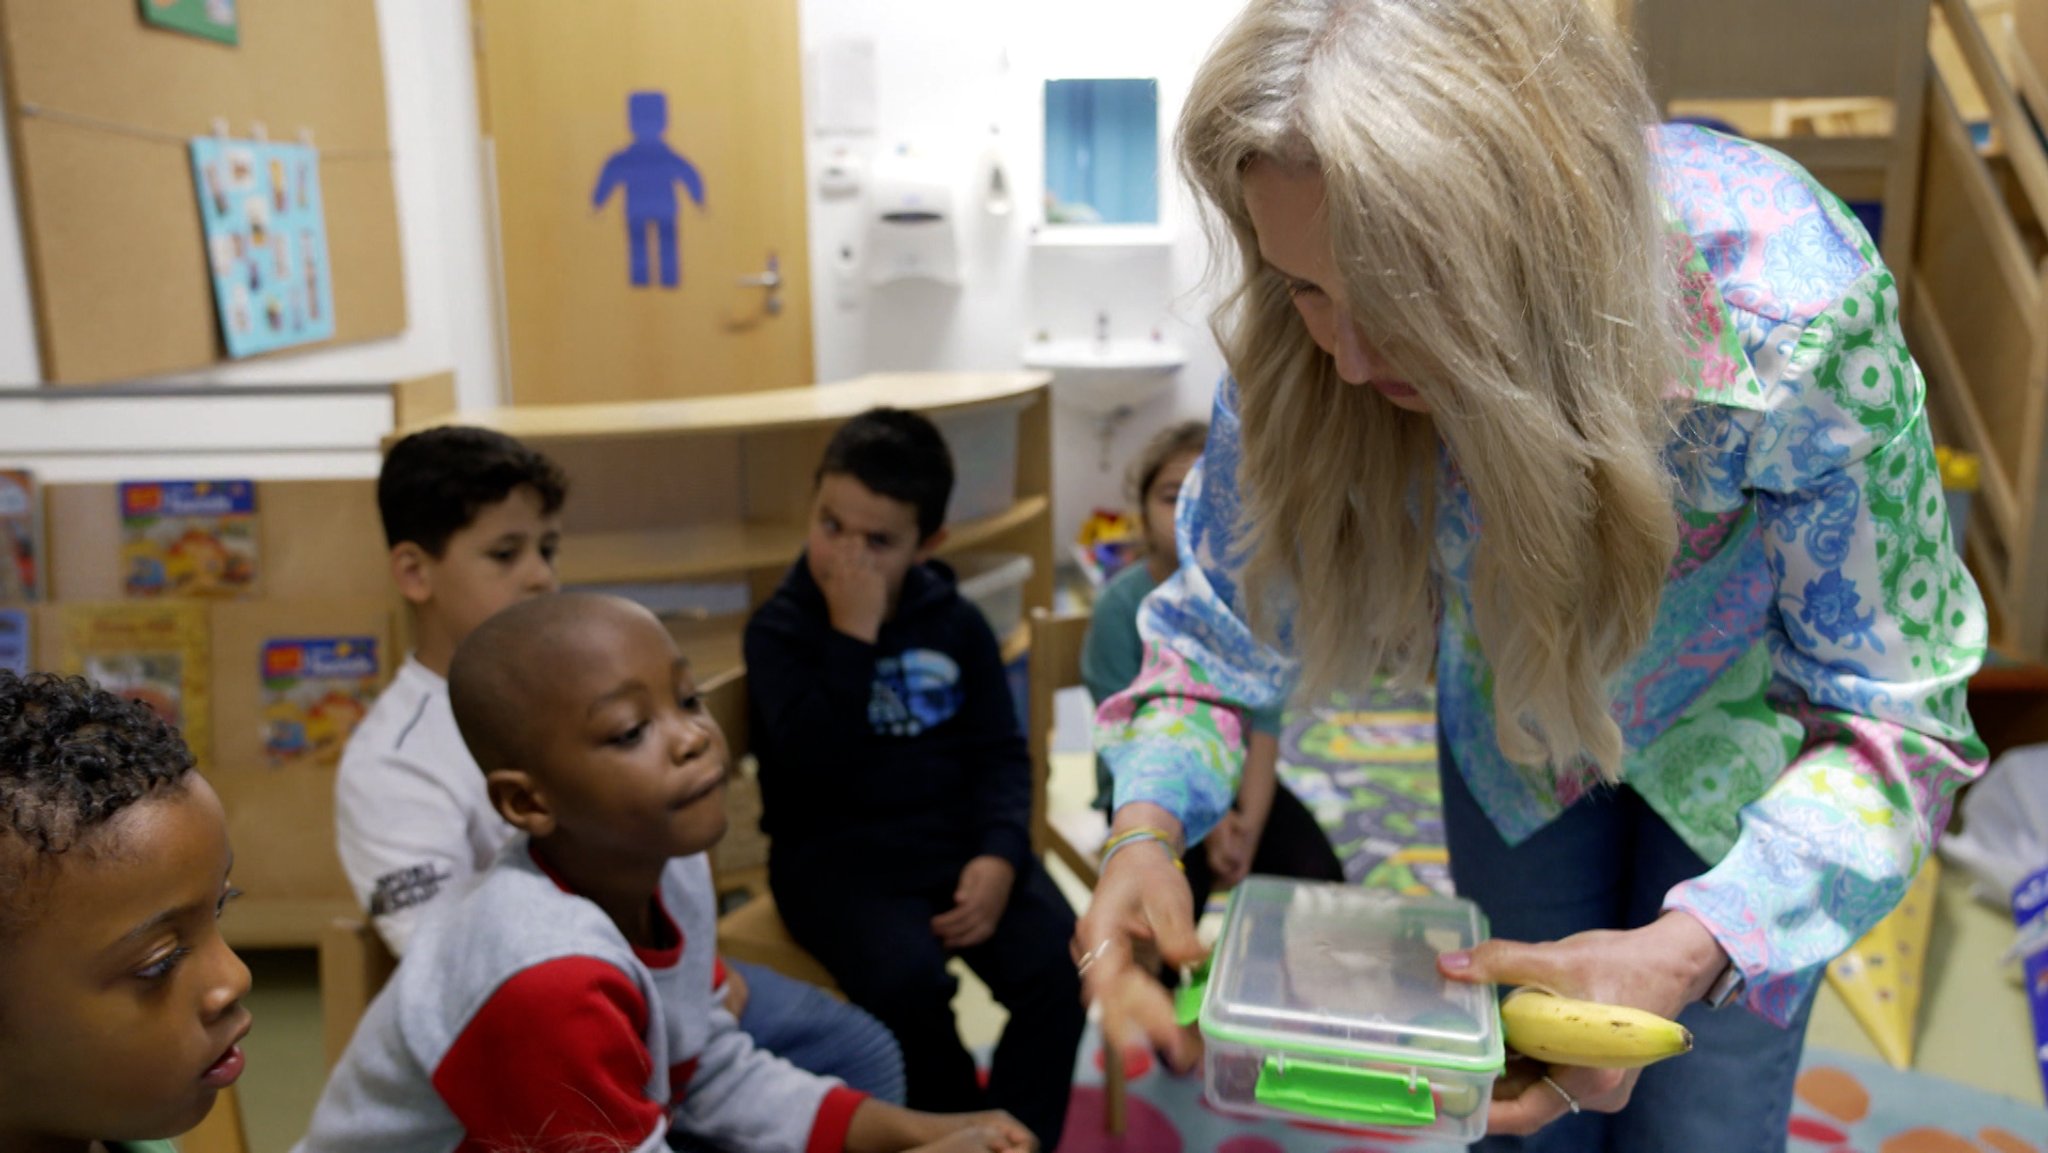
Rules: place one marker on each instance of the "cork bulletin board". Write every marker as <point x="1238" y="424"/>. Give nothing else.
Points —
<point x="101" y="107"/>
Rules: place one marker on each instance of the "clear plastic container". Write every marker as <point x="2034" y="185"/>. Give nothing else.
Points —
<point x="1322" y="1002"/>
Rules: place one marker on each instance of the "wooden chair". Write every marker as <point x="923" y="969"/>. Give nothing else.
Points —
<point x="1074" y="837"/>
<point x="354" y="964"/>
<point x="222" y="1130"/>
<point x="1977" y="318"/>
<point x="754" y="932"/>
<point x="1822" y="51"/>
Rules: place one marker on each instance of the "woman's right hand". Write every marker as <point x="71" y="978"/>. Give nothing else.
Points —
<point x="1142" y="902"/>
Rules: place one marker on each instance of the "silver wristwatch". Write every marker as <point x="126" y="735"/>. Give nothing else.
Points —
<point x="1726" y="988"/>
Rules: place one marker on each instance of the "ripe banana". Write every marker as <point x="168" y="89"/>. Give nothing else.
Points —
<point x="1563" y="1031"/>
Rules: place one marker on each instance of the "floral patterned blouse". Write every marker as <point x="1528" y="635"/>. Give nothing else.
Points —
<point x="1798" y="714"/>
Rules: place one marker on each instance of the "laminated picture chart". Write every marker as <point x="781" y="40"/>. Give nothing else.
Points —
<point x="266" y="242"/>
<point x="315" y="690"/>
<point x="189" y="538"/>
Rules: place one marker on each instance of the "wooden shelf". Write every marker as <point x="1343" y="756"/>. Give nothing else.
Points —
<point x="713" y="549"/>
<point x="789" y="408"/>
<point x="676" y="554"/>
<point x="968" y="534"/>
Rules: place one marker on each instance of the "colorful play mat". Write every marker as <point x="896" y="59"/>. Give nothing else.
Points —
<point x="1845" y="1105"/>
<point x="1366" y="766"/>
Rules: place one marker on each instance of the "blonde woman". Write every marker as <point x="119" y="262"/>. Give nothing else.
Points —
<point x="1611" y="428"/>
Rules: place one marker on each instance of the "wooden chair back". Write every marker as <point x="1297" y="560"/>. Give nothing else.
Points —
<point x="1055" y="664"/>
<point x="754" y="932"/>
<point x="222" y="1130"/>
<point x="354" y="964"/>
<point x="1074" y="837"/>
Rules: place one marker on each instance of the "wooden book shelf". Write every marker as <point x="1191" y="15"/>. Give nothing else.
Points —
<point x="719" y="488"/>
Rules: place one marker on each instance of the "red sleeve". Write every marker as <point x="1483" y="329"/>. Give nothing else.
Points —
<point x="835" y="1117"/>
<point x="555" y="1060"/>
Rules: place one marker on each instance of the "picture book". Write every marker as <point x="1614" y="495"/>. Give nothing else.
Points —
<point x="155" y="653"/>
<point x="15" y="649"/>
<point x="266" y="242"/>
<point x="20" y="536"/>
<point x="189" y="538"/>
<point x="315" y="690"/>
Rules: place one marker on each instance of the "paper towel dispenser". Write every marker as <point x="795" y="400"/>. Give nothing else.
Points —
<point x="912" y="227"/>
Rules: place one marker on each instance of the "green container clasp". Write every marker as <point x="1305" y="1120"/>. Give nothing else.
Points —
<point x="1344" y="1093"/>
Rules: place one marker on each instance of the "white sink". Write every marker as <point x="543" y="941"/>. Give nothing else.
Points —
<point x="1104" y="377"/>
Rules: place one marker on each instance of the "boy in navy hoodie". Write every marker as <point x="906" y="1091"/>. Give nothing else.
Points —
<point x="897" y="788"/>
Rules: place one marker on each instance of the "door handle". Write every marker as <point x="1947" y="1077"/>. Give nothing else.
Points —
<point x="769" y="280"/>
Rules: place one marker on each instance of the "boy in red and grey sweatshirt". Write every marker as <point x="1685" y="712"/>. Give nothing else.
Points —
<point x="570" y="1001"/>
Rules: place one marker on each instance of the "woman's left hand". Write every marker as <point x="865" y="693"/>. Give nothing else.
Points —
<point x="1662" y="967"/>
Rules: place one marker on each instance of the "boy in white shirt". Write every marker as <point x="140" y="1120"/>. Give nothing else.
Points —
<point x="473" y="521"/>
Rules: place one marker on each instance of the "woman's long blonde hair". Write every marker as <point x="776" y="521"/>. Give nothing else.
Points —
<point x="1491" y="205"/>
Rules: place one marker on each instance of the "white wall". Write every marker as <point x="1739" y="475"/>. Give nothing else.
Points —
<point x="431" y="95"/>
<point x="947" y="71"/>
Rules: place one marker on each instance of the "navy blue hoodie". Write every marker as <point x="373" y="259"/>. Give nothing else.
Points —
<point x="901" y="758"/>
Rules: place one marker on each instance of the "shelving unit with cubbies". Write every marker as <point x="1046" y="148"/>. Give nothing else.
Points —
<point x="709" y="489"/>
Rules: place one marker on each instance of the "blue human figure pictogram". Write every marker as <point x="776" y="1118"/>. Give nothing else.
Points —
<point x="650" y="170"/>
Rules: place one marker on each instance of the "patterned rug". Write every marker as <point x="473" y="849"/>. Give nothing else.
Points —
<point x="1366" y="766"/>
<point x="1845" y="1105"/>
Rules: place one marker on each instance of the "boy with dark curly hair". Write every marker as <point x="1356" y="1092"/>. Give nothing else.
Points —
<point x="121" y="1011"/>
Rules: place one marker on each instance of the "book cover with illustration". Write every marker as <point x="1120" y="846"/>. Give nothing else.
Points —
<point x="20" y="536"/>
<point x="315" y="690"/>
<point x="189" y="538"/>
<point x="14" y="641"/>
<point x="156" y="654"/>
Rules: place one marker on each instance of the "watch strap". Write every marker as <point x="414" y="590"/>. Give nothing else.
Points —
<point x="1725" y="989"/>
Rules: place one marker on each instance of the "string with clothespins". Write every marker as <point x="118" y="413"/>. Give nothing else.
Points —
<point x="258" y="131"/>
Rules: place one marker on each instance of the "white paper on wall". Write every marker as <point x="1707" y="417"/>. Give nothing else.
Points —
<point x="845" y="89"/>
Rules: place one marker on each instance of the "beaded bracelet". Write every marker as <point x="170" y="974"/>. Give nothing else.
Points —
<point x="1131" y="837"/>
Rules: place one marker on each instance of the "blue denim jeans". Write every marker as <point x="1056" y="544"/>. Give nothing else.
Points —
<point x="814" y="1030"/>
<point x="1606" y="863"/>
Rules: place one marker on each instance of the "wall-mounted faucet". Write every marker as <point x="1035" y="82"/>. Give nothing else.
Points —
<point x="1102" y="329"/>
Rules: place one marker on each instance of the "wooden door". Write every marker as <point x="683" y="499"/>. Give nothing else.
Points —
<point x="686" y="118"/>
